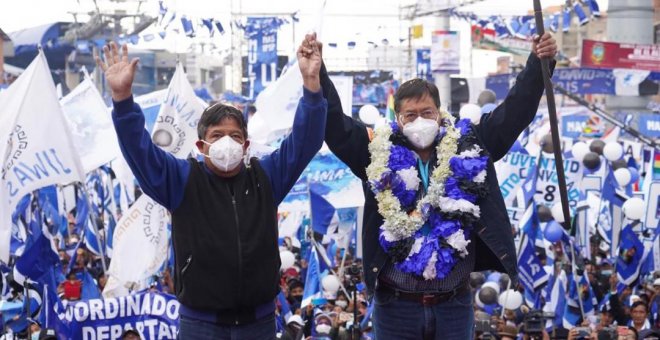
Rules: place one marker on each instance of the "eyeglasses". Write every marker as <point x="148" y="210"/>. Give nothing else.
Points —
<point x="409" y="116"/>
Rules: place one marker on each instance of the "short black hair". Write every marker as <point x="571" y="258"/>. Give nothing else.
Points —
<point x="416" y="88"/>
<point x="487" y="96"/>
<point x="639" y="303"/>
<point x="215" y="113"/>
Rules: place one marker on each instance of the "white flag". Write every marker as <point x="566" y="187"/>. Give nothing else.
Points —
<point x="91" y="126"/>
<point x="175" y="130"/>
<point x="36" y="146"/>
<point x="627" y="81"/>
<point x="139" y="247"/>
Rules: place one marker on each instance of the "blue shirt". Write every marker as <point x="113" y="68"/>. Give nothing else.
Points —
<point x="163" y="177"/>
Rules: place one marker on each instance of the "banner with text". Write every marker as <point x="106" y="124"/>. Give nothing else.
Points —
<point x="152" y="314"/>
<point x="262" y="55"/>
<point x="620" y="55"/>
<point x="445" y="55"/>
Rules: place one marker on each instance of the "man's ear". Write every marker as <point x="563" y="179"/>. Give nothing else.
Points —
<point x="200" y="146"/>
<point x="246" y="145"/>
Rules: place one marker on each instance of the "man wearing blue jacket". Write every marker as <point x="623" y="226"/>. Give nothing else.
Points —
<point x="433" y="209"/>
<point x="224" y="224"/>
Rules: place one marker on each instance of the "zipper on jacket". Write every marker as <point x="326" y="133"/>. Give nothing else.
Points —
<point x="238" y="240"/>
<point x="183" y="271"/>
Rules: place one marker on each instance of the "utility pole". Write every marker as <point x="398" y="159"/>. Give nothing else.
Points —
<point x="442" y="80"/>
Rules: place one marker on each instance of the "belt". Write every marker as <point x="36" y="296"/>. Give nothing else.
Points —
<point x="229" y="317"/>
<point x="426" y="298"/>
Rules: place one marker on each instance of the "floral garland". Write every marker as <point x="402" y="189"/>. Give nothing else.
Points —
<point x="426" y="236"/>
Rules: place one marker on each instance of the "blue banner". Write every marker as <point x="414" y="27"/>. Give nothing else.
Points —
<point x="585" y="80"/>
<point x="154" y="315"/>
<point x="424" y="64"/>
<point x="499" y="84"/>
<point x="573" y="126"/>
<point x="262" y="55"/>
<point x="649" y="124"/>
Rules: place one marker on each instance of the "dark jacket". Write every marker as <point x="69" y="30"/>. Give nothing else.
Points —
<point x="497" y="131"/>
<point x="224" y="230"/>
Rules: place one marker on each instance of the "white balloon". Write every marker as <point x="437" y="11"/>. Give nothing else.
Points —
<point x="330" y="283"/>
<point x="579" y="150"/>
<point x="478" y="301"/>
<point x="493" y="285"/>
<point x="471" y="112"/>
<point x="511" y="299"/>
<point x="369" y="114"/>
<point x="613" y="151"/>
<point x="288" y="259"/>
<point x="557" y="212"/>
<point x="634" y="208"/>
<point x="623" y="176"/>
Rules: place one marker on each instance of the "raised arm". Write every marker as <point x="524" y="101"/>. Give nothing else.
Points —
<point x="285" y="164"/>
<point x="499" y="129"/>
<point x="347" y="138"/>
<point x="161" y="175"/>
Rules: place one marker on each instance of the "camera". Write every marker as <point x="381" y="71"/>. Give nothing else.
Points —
<point x="533" y="323"/>
<point x="582" y="332"/>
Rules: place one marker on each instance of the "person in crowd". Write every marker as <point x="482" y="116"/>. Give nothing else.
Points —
<point x="294" y="328"/>
<point x="296" y="289"/>
<point x="486" y="97"/>
<point x="130" y="334"/>
<point x="224" y="208"/>
<point x="508" y="332"/>
<point x="71" y="289"/>
<point x="425" y="226"/>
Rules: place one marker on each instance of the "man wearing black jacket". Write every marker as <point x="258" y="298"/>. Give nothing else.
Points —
<point x="433" y="211"/>
<point x="224" y="208"/>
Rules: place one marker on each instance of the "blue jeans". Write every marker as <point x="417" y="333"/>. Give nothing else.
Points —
<point x="396" y="318"/>
<point x="263" y="328"/>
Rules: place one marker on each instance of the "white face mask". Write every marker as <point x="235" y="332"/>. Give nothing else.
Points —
<point x="225" y="153"/>
<point x="421" y="132"/>
<point x="35" y="335"/>
<point x="341" y="303"/>
<point x="323" y="329"/>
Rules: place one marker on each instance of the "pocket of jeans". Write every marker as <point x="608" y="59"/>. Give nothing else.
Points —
<point x="382" y="298"/>
<point x="464" y="299"/>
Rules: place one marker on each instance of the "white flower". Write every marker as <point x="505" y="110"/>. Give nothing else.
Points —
<point x="457" y="241"/>
<point x="480" y="177"/>
<point x="447" y="204"/>
<point x="416" y="247"/>
<point x="410" y="178"/>
<point x="389" y="237"/>
<point x="472" y="153"/>
<point x="429" y="271"/>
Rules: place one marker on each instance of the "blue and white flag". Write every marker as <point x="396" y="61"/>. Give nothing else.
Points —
<point x="631" y="256"/>
<point x="532" y="274"/>
<point x="38" y="259"/>
<point x="556" y="299"/>
<point x="34" y="156"/>
<point x="322" y="211"/>
<point x="312" y="280"/>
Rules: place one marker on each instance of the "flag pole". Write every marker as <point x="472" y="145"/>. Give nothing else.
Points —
<point x="556" y="142"/>
<point x="554" y="125"/>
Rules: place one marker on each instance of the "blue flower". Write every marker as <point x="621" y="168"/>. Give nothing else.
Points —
<point x="446" y="262"/>
<point x="400" y="158"/>
<point x="383" y="242"/>
<point x="453" y="190"/>
<point x="442" y="228"/>
<point x="394" y="126"/>
<point x="405" y="197"/>
<point x="467" y="168"/>
<point x="417" y="263"/>
<point x="465" y="125"/>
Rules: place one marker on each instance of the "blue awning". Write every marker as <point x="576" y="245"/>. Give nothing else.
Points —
<point x="27" y="41"/>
